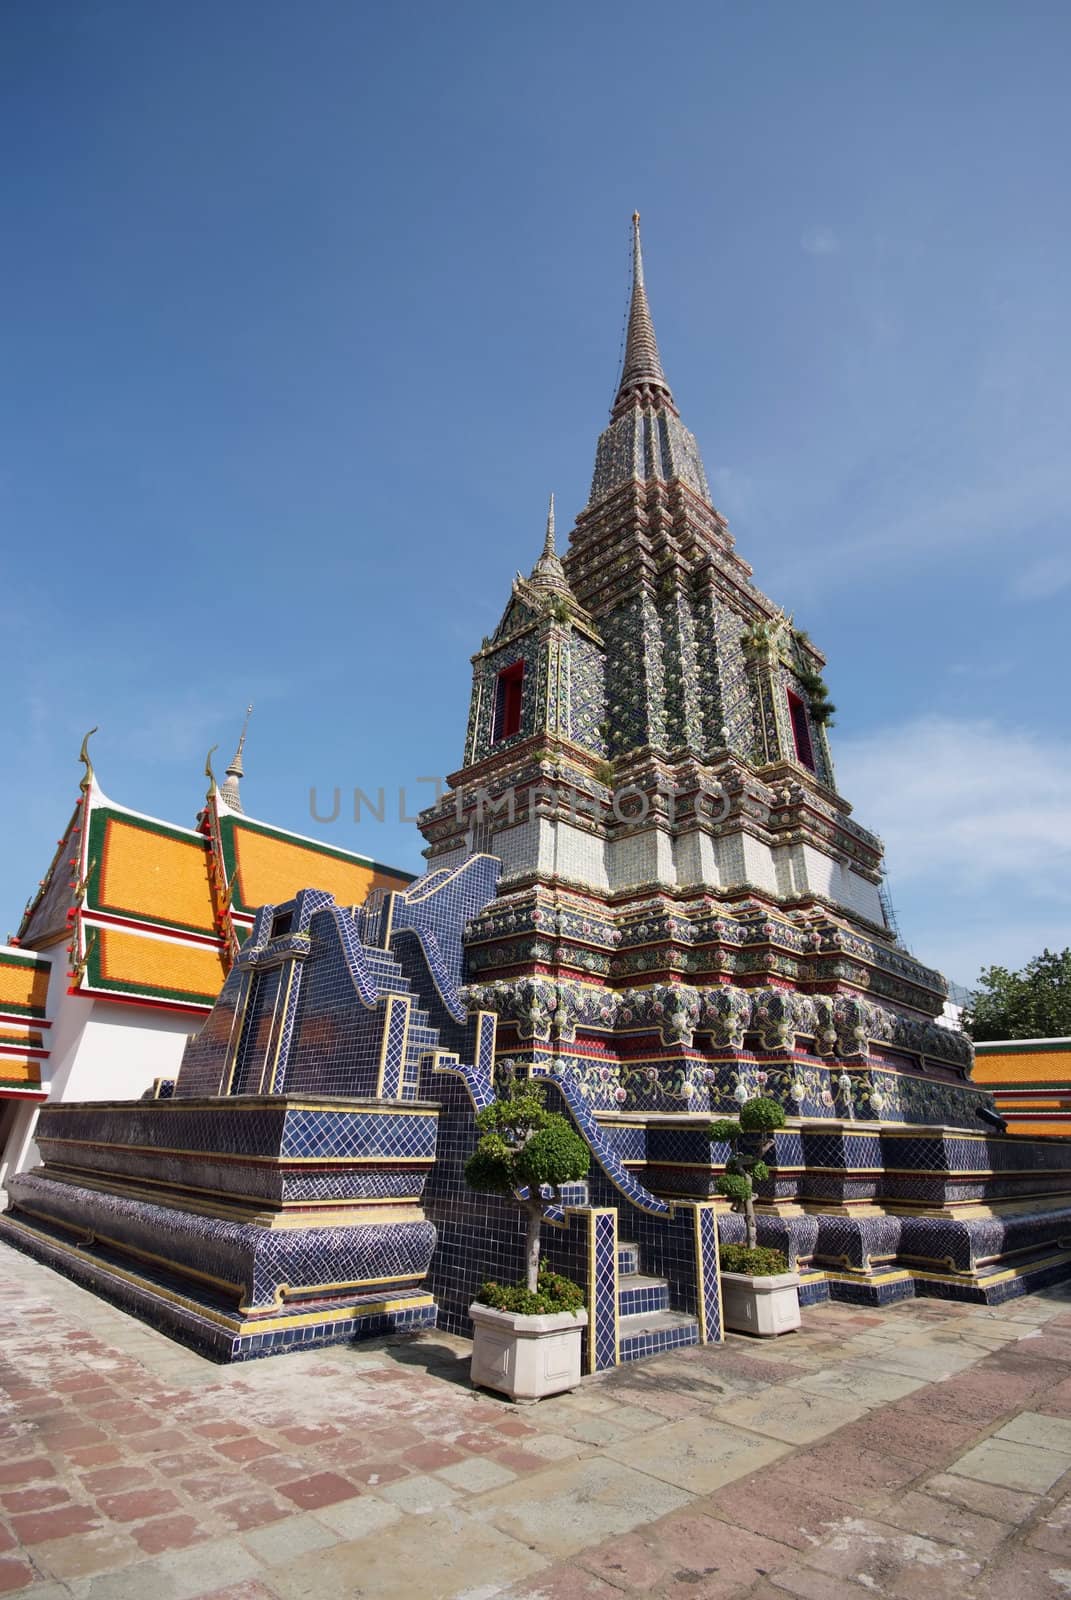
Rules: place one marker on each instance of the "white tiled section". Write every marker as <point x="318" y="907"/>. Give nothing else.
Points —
<point x="580" y="855"/>
<point x="696" y="862"/>
<point x="452" y="858"/>
<point x="645" y="857"/>
<point x="729" y="855"/>
<point x="650" y="856"/>
<point x="556" y="847"/>
<point x="842" y="885"/>
<point x="517" y="847"/>
<point x="759" y="864"/>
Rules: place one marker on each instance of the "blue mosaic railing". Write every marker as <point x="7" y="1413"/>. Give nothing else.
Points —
<point x="604" y="1153"/>
<point x="438" y="971"/>
<point x="361" y="974"/>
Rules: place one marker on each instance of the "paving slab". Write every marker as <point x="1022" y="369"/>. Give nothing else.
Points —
<point x="1012" y="1466"/>
<point x="791" y="1414"/>
<point x="448" y="1555"/>
<point x="860" y="1382"/>
<point x="699" y="1455"/>
<point x="1033" y="1428"/>
<point x="920" y="1449"/>
<point x="578" y="1505"/>
<point x="889" y="1561"/>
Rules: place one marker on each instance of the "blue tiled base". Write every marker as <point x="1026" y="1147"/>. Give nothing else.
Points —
<point x="634" y="1299"/>
<point x="888" y="1289"/>
<point x="657" y="1341"/>
<point x="208" y="1329"/>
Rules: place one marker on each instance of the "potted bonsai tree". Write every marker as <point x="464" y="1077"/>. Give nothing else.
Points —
<point x="526" y="1337"/>
<point x="759" y="1292"/>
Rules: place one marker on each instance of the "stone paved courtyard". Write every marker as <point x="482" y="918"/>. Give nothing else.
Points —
<point x="925" y="1451"/>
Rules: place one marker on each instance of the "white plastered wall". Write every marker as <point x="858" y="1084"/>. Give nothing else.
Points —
<point x="100" y="1050"/>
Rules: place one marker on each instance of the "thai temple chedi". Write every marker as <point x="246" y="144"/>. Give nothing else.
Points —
<point x="642" y="885"/>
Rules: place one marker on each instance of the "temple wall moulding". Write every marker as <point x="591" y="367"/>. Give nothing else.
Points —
<point x="841" y="1027"/>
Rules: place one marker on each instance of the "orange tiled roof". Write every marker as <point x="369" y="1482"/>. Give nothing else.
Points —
<point x="126" y="961"/>
<point x="23" y="983"/>
<point x="130" y="873"/>
<point x="272" y="867"/>
<point x="144" y="869"/>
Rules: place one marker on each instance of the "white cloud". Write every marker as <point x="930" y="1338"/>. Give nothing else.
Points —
<point x="976" y="820"/>
<point x="820" y="241"/>
<point x="966" y="806"/>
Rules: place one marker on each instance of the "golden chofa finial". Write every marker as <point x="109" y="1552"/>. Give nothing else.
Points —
<point x="209" y="774"/>
<point x="83" y="756"/>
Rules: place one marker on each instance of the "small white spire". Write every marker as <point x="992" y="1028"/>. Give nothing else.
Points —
<point x="236" y="770"/>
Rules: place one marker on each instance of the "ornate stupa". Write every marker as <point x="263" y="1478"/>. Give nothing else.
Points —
<point x="688" y="907"/>
<point x="644" y="887"/>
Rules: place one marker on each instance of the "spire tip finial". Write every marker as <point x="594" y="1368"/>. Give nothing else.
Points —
<point x="84" y="757"/>
<point x="549" y="548"/>
<point x="641" y="372"/>
<point x="236" y="771"/>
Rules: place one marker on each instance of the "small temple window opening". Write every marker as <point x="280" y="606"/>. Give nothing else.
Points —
<point x="801" y="731"/>
<point x="508" y="701"/>
<point x="281" y="923"/>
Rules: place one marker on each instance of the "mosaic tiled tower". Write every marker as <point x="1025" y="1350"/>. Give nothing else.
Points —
<point x="642" y="886"/>
<point x="689" y="913"/>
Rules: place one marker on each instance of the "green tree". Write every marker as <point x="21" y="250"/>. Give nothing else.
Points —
<point x="1032" y="1004"/>
<point x="526" y="1147"/>
<point x="744" y="1168"/>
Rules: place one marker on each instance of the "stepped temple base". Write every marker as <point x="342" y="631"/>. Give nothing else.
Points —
<point x="245" y="1211"/>
<point x="191" y="1317"/>
<point x="241" y="1226"/>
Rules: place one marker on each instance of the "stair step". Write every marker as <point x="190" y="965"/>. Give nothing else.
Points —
<point x="575" y="1194"/>
<point x="628" y="1258"/>
<point x="651" y="1333"/>
<point x="637" y="1293"/>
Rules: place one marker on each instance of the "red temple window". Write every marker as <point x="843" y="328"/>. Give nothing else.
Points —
<point x="801" y="731"/>
<point x="508" y="701"/>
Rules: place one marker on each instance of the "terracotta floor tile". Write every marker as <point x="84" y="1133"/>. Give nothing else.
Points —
<point x="170" y="1533"/>
<point x="95" y="1455"/>
<point x="251" y="1511"/>
<point x="37" y="1526"/>
<point x="113" y="1480"/>
<point x="321" y="1489"/>
<point x="430" y="1457"/>
<point x="374" y="1473"/>
<point x="520" y="1460"/>
<point x="15" y="1574"/>
<point x="250" y="1449"/>
<point x="38" y="1498"/>
<point x="134" y="1420"/>
<point x="137" y="1504"/>
<point x="220" y="1430"/>
<point x="273" y="1469"/>
<point x="301" y="1433"/>
<point x="160" y="1442"/>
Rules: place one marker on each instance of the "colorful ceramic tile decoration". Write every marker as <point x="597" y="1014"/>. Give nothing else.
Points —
<point x="1031" y="1083"/>
<point x="128" y="938"/>
<point x="643" y="888"/>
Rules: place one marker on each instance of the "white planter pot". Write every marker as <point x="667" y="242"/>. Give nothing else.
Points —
<point x="766" y="1306"/>
<point x="526" y="1357"/>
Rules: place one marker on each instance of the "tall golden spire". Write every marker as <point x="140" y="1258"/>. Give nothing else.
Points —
<point x="641" y="375"/>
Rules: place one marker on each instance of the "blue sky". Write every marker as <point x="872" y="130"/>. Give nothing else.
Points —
<point x="308" y="308"/>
